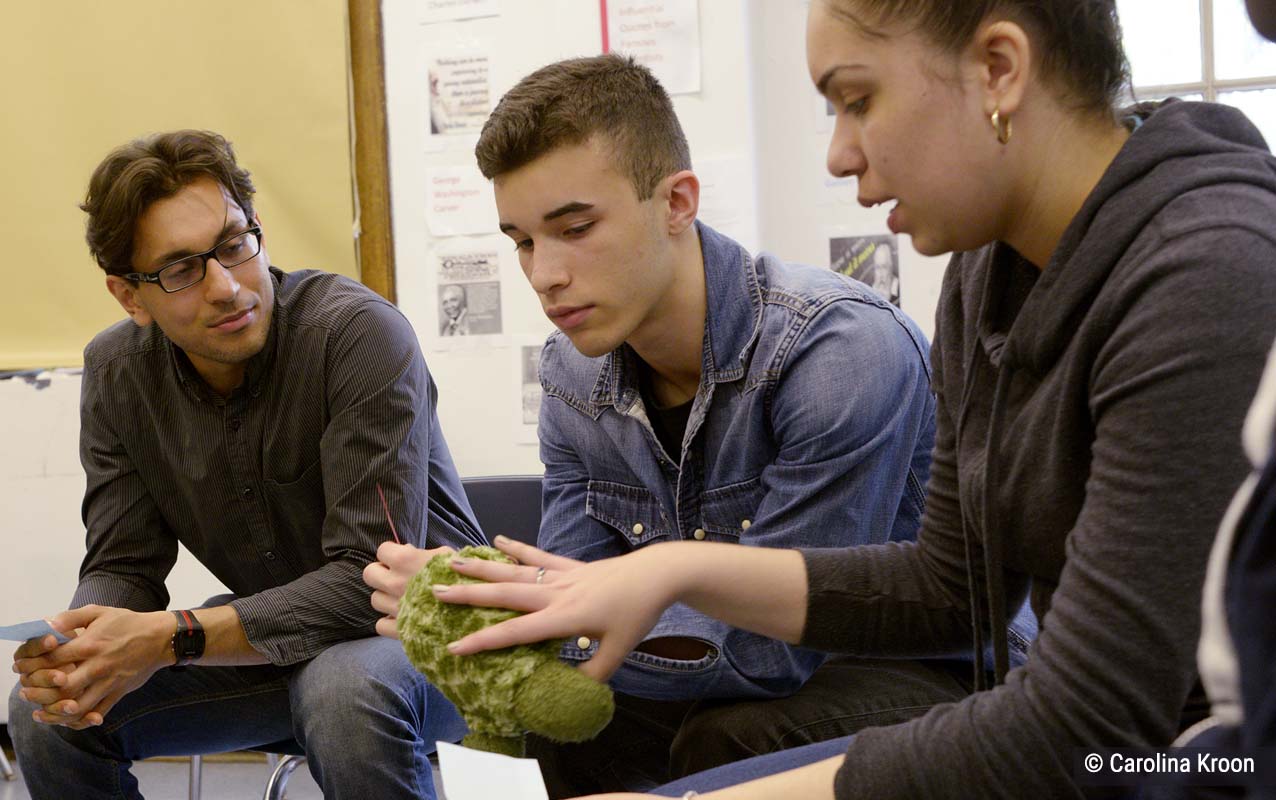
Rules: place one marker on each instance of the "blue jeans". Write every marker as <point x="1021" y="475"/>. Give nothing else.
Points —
<point x="365" y="718"/>
<point x="753" y="768"/>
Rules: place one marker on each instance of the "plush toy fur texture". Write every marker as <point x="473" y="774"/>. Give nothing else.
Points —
<point x="501" y="693"/>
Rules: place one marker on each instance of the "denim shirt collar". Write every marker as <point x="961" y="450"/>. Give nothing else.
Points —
<point x="733" y="318"/>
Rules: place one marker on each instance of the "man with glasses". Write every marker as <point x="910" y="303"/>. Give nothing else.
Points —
<point x="255" y="417"/>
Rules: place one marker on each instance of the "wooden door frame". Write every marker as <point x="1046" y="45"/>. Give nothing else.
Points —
<point x="375" y="244"/>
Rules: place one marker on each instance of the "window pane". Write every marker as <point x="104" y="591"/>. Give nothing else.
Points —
<point x="1239" y="52"/>
<point x="1162" y="40"/>
<point x="1259" y="105"/>
<point x="1144" y="97"/>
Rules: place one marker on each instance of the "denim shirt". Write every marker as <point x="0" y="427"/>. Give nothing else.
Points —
<point x="812" y="426"/>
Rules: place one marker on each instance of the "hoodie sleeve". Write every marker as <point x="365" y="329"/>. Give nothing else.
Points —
<point x="908" y="598"/>
<point x="1114" y="662"/>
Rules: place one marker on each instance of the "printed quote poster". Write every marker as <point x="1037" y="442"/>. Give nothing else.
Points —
<point x="662" y="35"/>
<point x="460" y="95"/>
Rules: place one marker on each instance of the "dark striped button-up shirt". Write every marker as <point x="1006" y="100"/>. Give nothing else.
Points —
<point x="273" y="488"/>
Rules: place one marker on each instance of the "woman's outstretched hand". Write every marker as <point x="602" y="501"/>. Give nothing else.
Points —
<point x="615" y="601"/>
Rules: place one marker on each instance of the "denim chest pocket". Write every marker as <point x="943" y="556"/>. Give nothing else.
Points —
<point x="632" y="511"/>
<point x="729" y="510"/>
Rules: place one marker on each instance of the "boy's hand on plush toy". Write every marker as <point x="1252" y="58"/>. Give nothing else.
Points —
<point x="607" y="600"/>
<point x="389" y="576"/>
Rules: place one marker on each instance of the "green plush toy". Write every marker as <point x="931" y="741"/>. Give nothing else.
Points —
<point x="501" y="693"/>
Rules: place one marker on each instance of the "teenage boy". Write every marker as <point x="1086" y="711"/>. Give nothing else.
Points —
<point x="696" y="392"/>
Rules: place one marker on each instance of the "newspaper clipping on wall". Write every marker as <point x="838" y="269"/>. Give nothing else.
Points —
<point x="469" y="292"/>
<point x="528" y="353"/>
<point x="873" y="260"/>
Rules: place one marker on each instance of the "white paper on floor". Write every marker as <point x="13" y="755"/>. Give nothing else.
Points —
<point x="477" y="775"/>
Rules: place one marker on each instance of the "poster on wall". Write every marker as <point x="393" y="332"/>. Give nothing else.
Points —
<point x="460" y="92"/>
<point x="468" y="287"/>
<point x="528" y="355"/>
<point x="873" y="260"/>
<point x="459" y="201"/>
<point x="432" y="11"/>
<point x="663" y="35"/>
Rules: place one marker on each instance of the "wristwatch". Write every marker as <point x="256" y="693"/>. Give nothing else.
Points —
<point x="188" y="640"/>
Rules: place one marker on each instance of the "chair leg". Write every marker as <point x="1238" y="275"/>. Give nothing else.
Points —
<point x="196" y="777"/>
<point x="278" y="782"/>
<point x="5" y="767"/>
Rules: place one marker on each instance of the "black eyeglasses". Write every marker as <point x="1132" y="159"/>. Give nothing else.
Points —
<point x="188" y="271"/>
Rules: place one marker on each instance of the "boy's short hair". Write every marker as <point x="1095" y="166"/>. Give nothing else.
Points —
<point x="569" y="102"/>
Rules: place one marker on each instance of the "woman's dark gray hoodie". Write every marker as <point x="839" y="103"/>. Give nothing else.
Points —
<point x="1111" y="387"/>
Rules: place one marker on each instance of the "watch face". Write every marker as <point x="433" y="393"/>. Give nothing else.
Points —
<point x="190" y="645"/>
<point x="188" y="640"/>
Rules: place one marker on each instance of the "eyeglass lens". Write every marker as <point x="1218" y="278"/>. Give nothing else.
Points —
<point x="230" y="253"/>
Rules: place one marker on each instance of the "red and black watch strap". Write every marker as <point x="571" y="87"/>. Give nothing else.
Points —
<point x="188" y="641"/>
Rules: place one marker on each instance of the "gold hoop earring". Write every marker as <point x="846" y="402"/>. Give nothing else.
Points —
<point x="1001" y="125"/>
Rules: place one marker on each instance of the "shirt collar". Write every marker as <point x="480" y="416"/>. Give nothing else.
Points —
<point x="733" y="317"/>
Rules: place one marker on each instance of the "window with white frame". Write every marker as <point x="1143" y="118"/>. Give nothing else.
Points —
<point x="1201" y="50"/>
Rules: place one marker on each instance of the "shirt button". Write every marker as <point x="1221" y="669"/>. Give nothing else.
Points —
<point x="638" y="529"/>
<point x="744" y="524"/>
<point x="583" y="643"/>
<point x="699" y="534"/>
<point x="234" y="424"/>
<point x="270" y="555"/>
<point x="247" y="492"/>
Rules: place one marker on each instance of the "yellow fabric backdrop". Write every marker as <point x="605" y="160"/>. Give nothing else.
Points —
<point x="81" y="77"/>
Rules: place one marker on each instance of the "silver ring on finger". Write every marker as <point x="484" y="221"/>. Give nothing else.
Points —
<point x="540" y="575"/>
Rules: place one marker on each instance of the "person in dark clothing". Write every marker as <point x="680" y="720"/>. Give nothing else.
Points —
<point x="1100" y="333"/>
<point x="1237" y="652"/>
<point x="251" y="416"/>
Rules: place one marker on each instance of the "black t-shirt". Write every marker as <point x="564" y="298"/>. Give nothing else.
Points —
<point x="670" y="424"/>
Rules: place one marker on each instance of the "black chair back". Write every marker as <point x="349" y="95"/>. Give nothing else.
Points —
<point x="508" y="505"/>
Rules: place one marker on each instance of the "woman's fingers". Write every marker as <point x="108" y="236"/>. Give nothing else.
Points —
<point x="608" y="658"/>
<point x="496" y="571"/>
<point x="514" y="596"/>
<point x="527" y="554"/>
<point x="527" y="629"/>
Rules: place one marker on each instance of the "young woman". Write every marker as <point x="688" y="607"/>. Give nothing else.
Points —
<point x="1100" y="334"/>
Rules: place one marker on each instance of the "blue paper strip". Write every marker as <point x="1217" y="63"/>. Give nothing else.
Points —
<point x="30" y="630"/>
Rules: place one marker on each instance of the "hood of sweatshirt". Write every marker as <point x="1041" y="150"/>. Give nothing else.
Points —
<point x="1175" y="147"/>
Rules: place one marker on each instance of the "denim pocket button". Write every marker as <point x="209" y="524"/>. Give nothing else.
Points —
<point x="632" y="512"/>
<point x="745" y="524"/>
<point x="699" y="534"/>
<point x="583" y="643"/>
